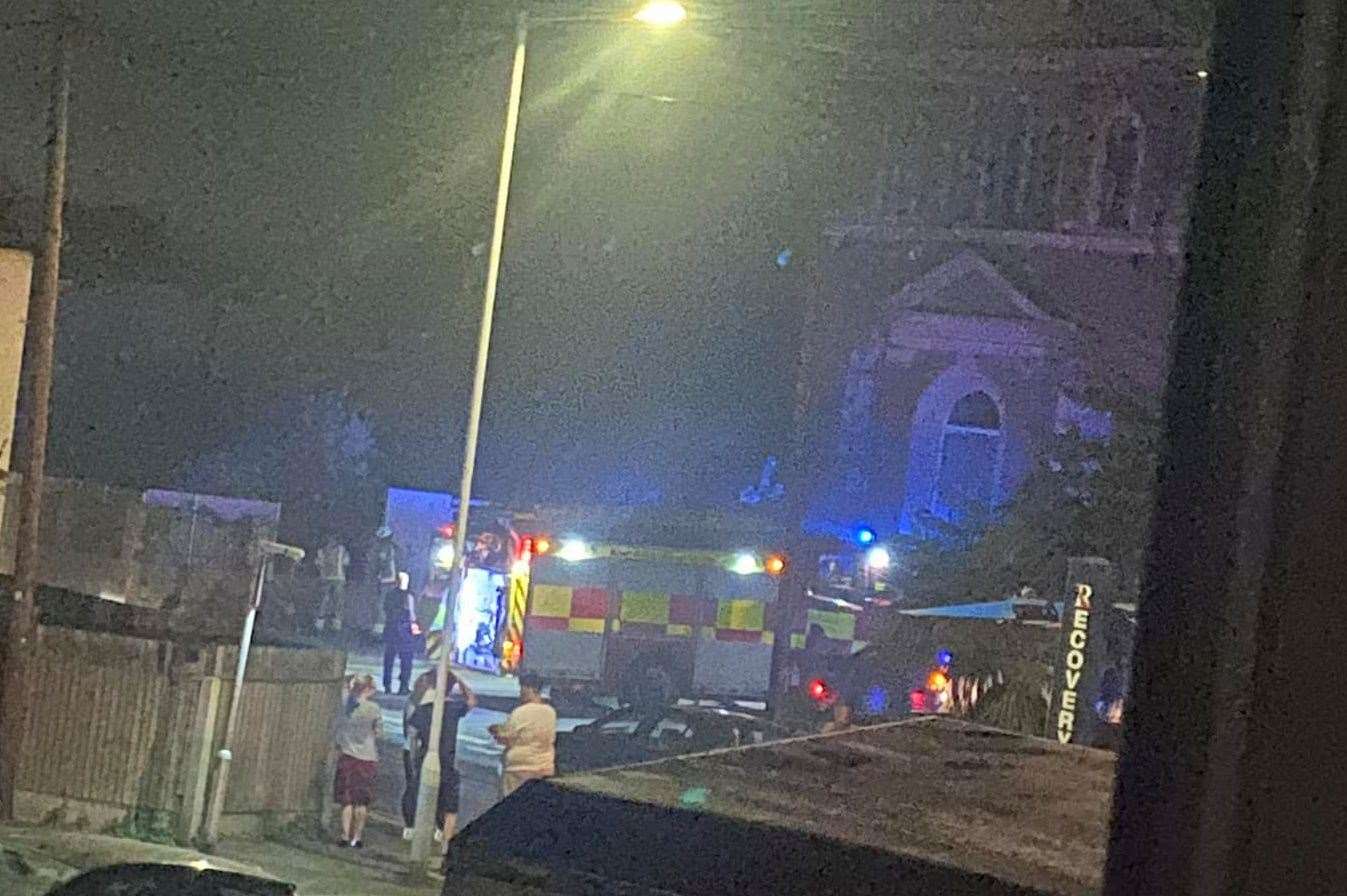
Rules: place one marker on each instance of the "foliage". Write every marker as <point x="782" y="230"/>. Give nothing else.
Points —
<point x="1084" y="498"/>
<point x="1019" y="704"/>
<point x="316" y="454"/>
<point x="148" y="825"/>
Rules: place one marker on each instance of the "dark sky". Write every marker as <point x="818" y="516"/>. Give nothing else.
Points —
<point x="312" y="177"/>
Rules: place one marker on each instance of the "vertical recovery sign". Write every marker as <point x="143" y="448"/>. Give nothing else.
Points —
<point x="1083" y="654"/>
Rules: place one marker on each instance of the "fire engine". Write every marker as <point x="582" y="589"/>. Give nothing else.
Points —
<point x="637" y="621"/>
<point x="649" y="622"/>
<point x="597" y="604"/>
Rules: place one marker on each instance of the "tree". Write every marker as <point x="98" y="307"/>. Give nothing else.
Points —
<point x="317" y="455"/>
<point x="1084" y="498"/>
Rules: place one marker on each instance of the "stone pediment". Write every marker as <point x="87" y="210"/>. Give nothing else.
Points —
<point x="968" y="286"/>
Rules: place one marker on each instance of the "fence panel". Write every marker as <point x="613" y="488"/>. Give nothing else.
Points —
<point x="114" y="721"/>
<point x="290" y="702"/>
<point x="97" y="701"/>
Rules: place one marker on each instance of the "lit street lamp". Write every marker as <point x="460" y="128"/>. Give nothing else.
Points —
<point x="659" y="14"/>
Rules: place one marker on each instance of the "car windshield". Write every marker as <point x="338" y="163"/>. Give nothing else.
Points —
<point x="525" y="437"/>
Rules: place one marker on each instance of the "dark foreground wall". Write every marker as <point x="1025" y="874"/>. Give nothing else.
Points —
<point x="554" y="839"/>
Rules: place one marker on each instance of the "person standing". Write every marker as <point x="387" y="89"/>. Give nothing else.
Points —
<point x="332" y="560"/>
<point x="529" y="736"/>
<point x="357" y="760"/>
<point x="384" y="561"/>
<point x="400" y="631"/>
<point x="423" y="692"/>
<point x="456" y="706"/>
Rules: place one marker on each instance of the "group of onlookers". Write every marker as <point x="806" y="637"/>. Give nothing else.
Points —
<point x="528" y="735"/>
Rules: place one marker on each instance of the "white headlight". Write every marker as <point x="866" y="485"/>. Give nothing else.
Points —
<point x="878" y="558"/>
<point x="746" y="564"/>
<point x="574" y="550"/>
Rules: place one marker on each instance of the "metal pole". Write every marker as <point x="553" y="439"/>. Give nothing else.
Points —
<point x="211" y="833"/>
<point x="41" y="337"/>
<point x="429" y="785"/>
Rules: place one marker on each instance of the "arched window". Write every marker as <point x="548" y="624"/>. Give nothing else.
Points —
<point x="1120" y="172"/>
<point x="970" y="456"/>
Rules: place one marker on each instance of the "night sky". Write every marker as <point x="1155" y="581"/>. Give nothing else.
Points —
<point x="296" y="191"/>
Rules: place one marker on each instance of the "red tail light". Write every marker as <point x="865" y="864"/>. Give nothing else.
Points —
<point x="818" y="690"/>
<point x="918" y="699"/>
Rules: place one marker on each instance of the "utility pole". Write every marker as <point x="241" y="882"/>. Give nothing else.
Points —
<point x="801" y="555"/>
<point x="41" y="339"/>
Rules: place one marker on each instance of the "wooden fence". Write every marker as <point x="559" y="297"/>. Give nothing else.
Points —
<point x="126" y="729"/>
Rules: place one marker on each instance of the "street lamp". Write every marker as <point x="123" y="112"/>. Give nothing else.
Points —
<point x="657" y="13"/>
<point x="661" y="14"/>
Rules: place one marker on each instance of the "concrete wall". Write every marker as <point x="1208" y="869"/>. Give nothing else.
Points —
<point x="187" y="554"/>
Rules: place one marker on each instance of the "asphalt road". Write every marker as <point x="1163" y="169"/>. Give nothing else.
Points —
<point x="478" y="755"/>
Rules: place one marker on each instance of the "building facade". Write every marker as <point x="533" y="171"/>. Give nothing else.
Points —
<point x="1012" y="275"/>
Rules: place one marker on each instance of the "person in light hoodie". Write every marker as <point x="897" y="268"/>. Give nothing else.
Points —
<point x="529" y="736"/>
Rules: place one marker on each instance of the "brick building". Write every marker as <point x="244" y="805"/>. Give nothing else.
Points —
<point x="1013" y="272"/>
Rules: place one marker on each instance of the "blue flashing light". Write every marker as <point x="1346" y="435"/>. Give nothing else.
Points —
<point x="865" y="535"/>
<point x="944" y="658"/>
<point x="877" y="700"/>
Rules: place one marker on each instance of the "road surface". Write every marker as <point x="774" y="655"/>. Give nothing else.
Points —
<point x="478" y="755"/>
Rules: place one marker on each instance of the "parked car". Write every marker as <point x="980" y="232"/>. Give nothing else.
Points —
<point x="169" y="880"/>
<point x="631" y="734"/>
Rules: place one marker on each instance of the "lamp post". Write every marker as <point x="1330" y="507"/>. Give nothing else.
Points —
<point x="267" y="551"/>
<point x="659" y="14"/>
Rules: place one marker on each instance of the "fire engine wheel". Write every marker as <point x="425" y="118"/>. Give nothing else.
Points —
<point x="649" y="682"/>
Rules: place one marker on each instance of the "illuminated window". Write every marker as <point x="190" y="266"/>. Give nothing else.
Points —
<point x="970" y="456"/>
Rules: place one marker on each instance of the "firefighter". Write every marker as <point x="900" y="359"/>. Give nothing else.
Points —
<point x="400" y="631"/>
<point x="384" y="557"/>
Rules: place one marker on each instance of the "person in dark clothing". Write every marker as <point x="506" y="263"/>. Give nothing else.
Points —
<point x="423" y="691"/>
<point x="455" y="708"/>
<point x="400" y="631"/>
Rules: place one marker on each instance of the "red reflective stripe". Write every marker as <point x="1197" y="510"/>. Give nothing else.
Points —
<point x="589" y="603"/>
<point x="738" y="634"/>
<point x="547" y="623"/>
<point x="684" y="609"/>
